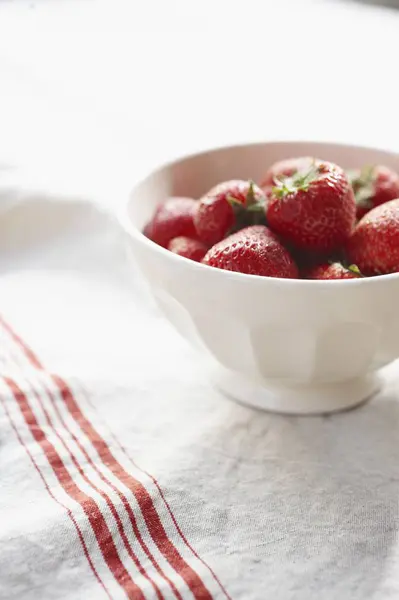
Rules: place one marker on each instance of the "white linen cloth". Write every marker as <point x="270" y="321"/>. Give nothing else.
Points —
<point x="124" y="474"/>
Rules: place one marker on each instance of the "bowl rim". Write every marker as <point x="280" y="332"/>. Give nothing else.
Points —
<point x="132" y="230"/>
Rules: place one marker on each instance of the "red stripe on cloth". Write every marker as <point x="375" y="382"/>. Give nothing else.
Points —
<point x="34" y="361"/>
<point x="89" y="506"/>
<point x="144" y="500"/>
<point x="130" y="513"/>
<point x="98" y="490"/>
<point x="68" y="510"/>
<point x="172" y="516"/>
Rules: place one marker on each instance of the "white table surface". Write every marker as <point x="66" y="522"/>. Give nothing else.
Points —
<point x="95" y="92"/>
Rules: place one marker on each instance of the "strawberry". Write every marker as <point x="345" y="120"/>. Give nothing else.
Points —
<point x="314" y="209"/>
<point x="254" y="250"/>
<point x="373" y="186"/>
<point x="285" y="168"/>
<point x="147" y="230"/>
<point x="228" y="206"/>
<point x="187" y="247"/>
<point x="171" y="219"/>
<point x="374" y="244"/>
<point x="334" y="270"/>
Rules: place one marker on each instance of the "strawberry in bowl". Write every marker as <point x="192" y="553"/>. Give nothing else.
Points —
<point x="314" y="208"/>
<point x="172" y="218"/>
<point x="372" y="186"/>
<point x="334" y="270"/>
<point x="374" y="244"/>
<point x="253" y="250"/>
<point x="226" y="207"/>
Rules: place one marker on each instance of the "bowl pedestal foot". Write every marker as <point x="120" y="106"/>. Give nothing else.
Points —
<point x="300" y="399"/>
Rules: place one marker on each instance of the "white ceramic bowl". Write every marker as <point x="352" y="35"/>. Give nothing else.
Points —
<point x="291" y="346"/>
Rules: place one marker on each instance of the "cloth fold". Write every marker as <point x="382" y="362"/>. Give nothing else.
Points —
<point x="124" y="474"/>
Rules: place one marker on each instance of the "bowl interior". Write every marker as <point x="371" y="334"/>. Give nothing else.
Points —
<point x="195" y="175"/>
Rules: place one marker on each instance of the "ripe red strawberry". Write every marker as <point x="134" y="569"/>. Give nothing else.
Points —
<point x="314" y="209"/>
<point x="374" y="244"/>
<point x="227" y="206"/>
<point x="373" y="186"/>
<point x="187" y="247"/>
<point x="147" y="230"/>
<point x="254" y="250"/>
<point x="171" y="219"/>
<point x="334" y="270"/>
<point x="286" y="168"/>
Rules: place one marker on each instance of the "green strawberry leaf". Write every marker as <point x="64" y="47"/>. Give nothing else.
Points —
<point x="364" y="197"/>
<point x="299" y="182"/>
<point x="257" y="207"/>
<point x="252" y="212"/>
<point x="250" y="199"/>
<point x="233" y="202"/>
<point x="363" y="185"/>
<point x="352" y="268"/>
<point x="355" y="270"/>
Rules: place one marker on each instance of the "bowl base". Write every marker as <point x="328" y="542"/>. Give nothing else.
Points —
<point x="301" y="399"/>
